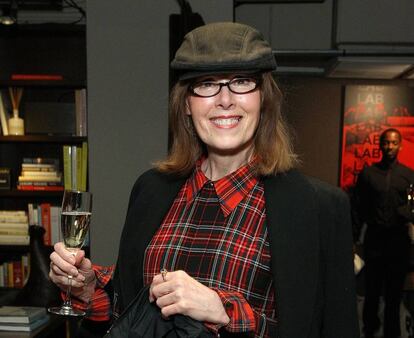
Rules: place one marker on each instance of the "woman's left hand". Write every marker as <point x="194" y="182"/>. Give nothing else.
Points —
<point x="177" y="292"/>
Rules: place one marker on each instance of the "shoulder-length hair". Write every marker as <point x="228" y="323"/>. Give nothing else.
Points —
<point x="272" y="141"/>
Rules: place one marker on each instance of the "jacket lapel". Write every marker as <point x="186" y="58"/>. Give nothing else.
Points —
<point x="293" y="234"/>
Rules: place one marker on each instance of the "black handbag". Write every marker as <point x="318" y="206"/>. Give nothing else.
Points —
<point x="142" y="319"/>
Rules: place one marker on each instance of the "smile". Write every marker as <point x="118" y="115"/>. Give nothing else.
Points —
<point x="227" y="122"/>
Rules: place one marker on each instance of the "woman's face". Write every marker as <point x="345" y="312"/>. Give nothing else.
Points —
<point x="226" y="122"/>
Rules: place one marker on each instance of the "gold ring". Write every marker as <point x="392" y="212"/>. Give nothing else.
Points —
<point x="164" y="274"/>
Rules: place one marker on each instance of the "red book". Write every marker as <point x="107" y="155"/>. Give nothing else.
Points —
<point x="17" y="274"/>
<point x="40" y="187"/>
<point x="45" y="207"/>
<point x="37" y="77"/>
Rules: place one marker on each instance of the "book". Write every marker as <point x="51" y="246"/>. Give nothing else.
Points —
<point x="38" y="167"/>
<point x="45" y="217"/>
<point x="41" y="187"/>
<point x="2" y="283"/>
<point x="12" y="213"/>
<point x="39" y="179"/>
<point x="11" y="231"/>
<point x="21" y="314"/>
<point x="67" y="167"/>
<point x="13" y="225"/>
<point x="14" y="240"/>
<point x="84" y="169"/>
<point x="25" y="268"/>
<point x="80" y="110"/>
<point x="24" y="327"/>
<point x="40" y="160"/>
<point x="17" y="274"/>
<point x="74" y="167"/>
<point x="3" y="118"/>
<point x="10" y="218"/>
<point x="37" y="173"/>
<point x="55" y="212"/>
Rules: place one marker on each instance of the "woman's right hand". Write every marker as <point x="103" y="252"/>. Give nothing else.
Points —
<point x="64" y="263"/>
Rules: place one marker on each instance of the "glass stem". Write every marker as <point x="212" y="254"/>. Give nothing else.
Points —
<point x="68" y="302"/>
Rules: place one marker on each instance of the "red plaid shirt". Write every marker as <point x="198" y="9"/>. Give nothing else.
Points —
<point x="216" y="232"/>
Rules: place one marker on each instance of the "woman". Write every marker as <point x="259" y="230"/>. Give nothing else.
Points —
<point x="246" y="244"/>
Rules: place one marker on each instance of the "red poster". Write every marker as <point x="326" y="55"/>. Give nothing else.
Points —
<point x="368" y="110"/>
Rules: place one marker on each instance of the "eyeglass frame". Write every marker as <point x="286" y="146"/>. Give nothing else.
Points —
<point x="257" y="79"/>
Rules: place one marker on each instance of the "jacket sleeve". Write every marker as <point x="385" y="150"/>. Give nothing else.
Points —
<point x="339" y="316"/>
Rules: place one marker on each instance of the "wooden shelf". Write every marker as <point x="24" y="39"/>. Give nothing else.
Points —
<point x="43" y="139"/>
<point x="15" y="248"/>
<point x="30" y="193"/>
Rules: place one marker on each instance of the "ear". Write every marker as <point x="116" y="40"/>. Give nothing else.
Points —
<point x="187" y="107"/>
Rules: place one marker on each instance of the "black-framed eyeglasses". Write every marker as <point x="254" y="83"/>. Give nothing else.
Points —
<point x="238" y="85"/>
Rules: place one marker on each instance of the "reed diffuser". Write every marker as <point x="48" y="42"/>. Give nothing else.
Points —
<point x="16" y="124"/>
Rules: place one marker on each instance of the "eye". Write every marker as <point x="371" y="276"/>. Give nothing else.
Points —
<point x="205" y="85"/>
<point x="242" y="81"/>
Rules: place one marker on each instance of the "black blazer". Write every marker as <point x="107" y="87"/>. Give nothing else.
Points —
<point x="311" y="246"/>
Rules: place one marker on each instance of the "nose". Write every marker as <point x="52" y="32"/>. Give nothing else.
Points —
<point x="225" y="98"/>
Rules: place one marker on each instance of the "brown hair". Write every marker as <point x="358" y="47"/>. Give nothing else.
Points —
<point x="272" y="144"/>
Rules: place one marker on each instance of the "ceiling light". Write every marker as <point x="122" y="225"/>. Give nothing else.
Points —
<point x="8" y="14"/>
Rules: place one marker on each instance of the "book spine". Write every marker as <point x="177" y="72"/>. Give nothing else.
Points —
<point x="14" y="240"/>
<point x="74" y="167"/>
<point x="48" y="187"/>
<point x="13" y="219"/>
<point x="78" y="168"/>
<point x="45" y="210"/>
<point x="67" y="167"/>
<point x="10" y="277"/>
<point x="55" y="224"/>
<point x="17" y="226"/>
<point x="17" y="274"/>
<point x="80" y="110"/>
<point x="39" y="179"/>
<point x="2" y="282"/>
<point x="11" y="231"/>
<point x="40" y="161"/>
<point x="84" y="174"/>
<point x="3" y="119"/>
<point x="25" y="268"/>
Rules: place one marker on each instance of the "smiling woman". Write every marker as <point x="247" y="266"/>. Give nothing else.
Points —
<point x="252" y="247"/>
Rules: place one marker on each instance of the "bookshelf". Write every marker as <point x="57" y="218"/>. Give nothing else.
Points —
<point x="52" y="80"/>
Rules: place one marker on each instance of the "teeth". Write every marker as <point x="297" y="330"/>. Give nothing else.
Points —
<point x="226" y="122"/>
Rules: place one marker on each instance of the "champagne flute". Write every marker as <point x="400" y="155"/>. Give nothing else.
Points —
<point x="75" y="219"/>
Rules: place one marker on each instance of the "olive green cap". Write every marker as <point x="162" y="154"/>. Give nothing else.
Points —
<point x="223" y="47"/>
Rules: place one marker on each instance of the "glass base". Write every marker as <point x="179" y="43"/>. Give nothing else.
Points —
<point x="66" y="311"/>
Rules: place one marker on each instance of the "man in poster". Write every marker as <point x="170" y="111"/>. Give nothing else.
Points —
<point x="380" y="201"/>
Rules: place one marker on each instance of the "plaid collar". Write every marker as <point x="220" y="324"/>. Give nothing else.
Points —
<point x="230" y="189"/>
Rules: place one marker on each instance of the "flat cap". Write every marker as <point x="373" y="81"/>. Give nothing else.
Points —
<point x="223" y="47"/>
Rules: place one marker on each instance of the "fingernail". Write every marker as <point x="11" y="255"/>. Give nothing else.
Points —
<point x="74" y="272"/>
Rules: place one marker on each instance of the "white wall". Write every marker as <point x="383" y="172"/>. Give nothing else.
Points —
<point x="127" y="52"/>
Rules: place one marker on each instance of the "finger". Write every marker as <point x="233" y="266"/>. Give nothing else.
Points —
<point x="57" y="274"/>
<point x="79" y="257"/>
<point x="66" y="267"/>
<point x="171" y="310"/>
<point x="166" y="300"/>
<point x="85" y="264"/>
<point x="65" y="254"/>
<point x="158" y="279"/>
<point x="162" y="289"/>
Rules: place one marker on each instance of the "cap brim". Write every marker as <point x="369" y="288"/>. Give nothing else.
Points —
<point x="183" y="75"/>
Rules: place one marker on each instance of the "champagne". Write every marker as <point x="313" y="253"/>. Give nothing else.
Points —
<point x="75" y="225"/>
